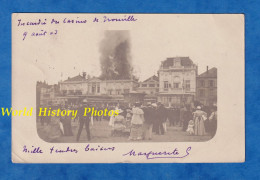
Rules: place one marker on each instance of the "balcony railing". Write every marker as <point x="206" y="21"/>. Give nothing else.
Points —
<point x="178" y="67"/>
<point x="177" y="90"/>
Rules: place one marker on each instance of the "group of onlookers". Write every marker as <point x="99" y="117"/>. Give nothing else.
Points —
<point x="144" y="120"/>
<point x="138" y="122"/>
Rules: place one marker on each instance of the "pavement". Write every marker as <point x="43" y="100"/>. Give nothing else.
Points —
<point x="101" y="133"/>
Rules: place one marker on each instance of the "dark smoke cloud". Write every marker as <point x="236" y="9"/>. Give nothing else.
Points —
<point x="115" y="57"/>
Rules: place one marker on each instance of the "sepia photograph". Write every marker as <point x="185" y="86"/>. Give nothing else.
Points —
<point x="157" y="82"/>
<point x="175" y="103"/>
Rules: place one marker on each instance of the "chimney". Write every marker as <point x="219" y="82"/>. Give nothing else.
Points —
<point x="207" y="69"/>
<point x="84" y="75"/>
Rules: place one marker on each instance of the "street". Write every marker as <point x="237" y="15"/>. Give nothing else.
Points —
<point x="101" y="133"/>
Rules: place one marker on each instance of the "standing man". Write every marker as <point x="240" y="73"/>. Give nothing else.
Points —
<point x="83" y="120"/>
<point x="149" y="116"/>
<point x="161" y="115"/>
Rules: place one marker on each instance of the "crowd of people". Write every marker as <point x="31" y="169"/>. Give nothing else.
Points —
<point x="137" y="122"/>
<point x="142" y="121"/>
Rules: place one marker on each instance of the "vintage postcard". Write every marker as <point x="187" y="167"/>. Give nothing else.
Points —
<point x="127" y="88"/>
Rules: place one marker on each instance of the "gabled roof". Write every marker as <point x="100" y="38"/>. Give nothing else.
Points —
<point x="211" y="73"/>
<point x="94" y="79"/>
<point x="185" y="61"/>
<point x="155" y="78"/>
<point x="76" y="78"/>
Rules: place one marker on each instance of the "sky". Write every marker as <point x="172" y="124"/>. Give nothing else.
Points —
<point x="206" y="39"/>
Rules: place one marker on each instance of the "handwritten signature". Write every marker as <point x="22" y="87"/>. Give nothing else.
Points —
<point x="158" y="155"/>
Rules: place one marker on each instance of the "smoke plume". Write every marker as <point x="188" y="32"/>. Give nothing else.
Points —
<point x="115" y="57"/>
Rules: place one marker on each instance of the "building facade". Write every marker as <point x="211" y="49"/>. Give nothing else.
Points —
<point x="177" y="81"/>
<point x="47" y="95"/>
<point x="207" y="87"/>
<point x="74" y="86"/>
<point x="150" y="87"/>
<point x="79" y="87"/>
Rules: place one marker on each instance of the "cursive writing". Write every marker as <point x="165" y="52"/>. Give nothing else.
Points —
<point x="46" y="23"/>
<point x="32" y="23"/>
<point x="68" y="149"/>
<point x="156" y="155"/>
<point x="32" y="150"/>
<point x="99" y="148"/>
<point x="125" y="18"/>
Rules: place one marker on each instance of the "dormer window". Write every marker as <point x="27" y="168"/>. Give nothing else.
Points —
<point x="177" y="62"/>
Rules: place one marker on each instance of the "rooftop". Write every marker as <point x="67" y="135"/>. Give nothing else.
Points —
<point x="155" y="78"/>
<point x="211" y="73"/>
<point x="76" y="78"/>
<point x="185" y="61"/>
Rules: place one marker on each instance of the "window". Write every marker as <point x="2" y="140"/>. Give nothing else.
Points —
<point x="64" y="92"/>
<point x="187" y="84"/>
<point x="201" y="93"/>
<point x="151" y="85"/>
<point x="93" y="88"/>
<point x="176" y="82"/>
<point x="118" y="92"/>
<point x="166" y="85"/>
<point x="98" y="88"/>
<point x="46" y="95"/>
<point x="202" y="83"/>
<point x="211" y="92"/>
<point x="126" y="90"/>
<point x="78" y="92"/>
<point x="89" y="88"/>
<point x="177" y="62"/>
<point x="211" y="83"/>
<point x="144" y="85"/>
<point x="151" y="92"/>
<point x="176" y="85"/>
<point x="109" y="92"/>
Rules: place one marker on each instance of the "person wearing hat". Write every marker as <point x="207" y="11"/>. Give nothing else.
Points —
<point x="160" y="119"/>
<point x="83" y="120"/>
<point x="149" y="117"/>
<point x="199" y="117"/>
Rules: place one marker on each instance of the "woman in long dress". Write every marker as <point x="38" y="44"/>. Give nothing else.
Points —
<point x="53" y="130"/>
<point x="119" y="124"/>
<point x="137" y="123"/>
<point x="199" y="117"/>
<point x="213" y="122"/>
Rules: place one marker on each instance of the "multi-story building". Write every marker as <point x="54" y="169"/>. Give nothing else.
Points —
<point x="47" y="94"/>
<point x="150" y="87"/>
<point x="80" y="87"/>
<point x="207" y="87"/>
<point x="177" y="81"/>
<point x="115" y="89"/>
<point x="120" y="87"/>
<point x="74" y="86"/>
